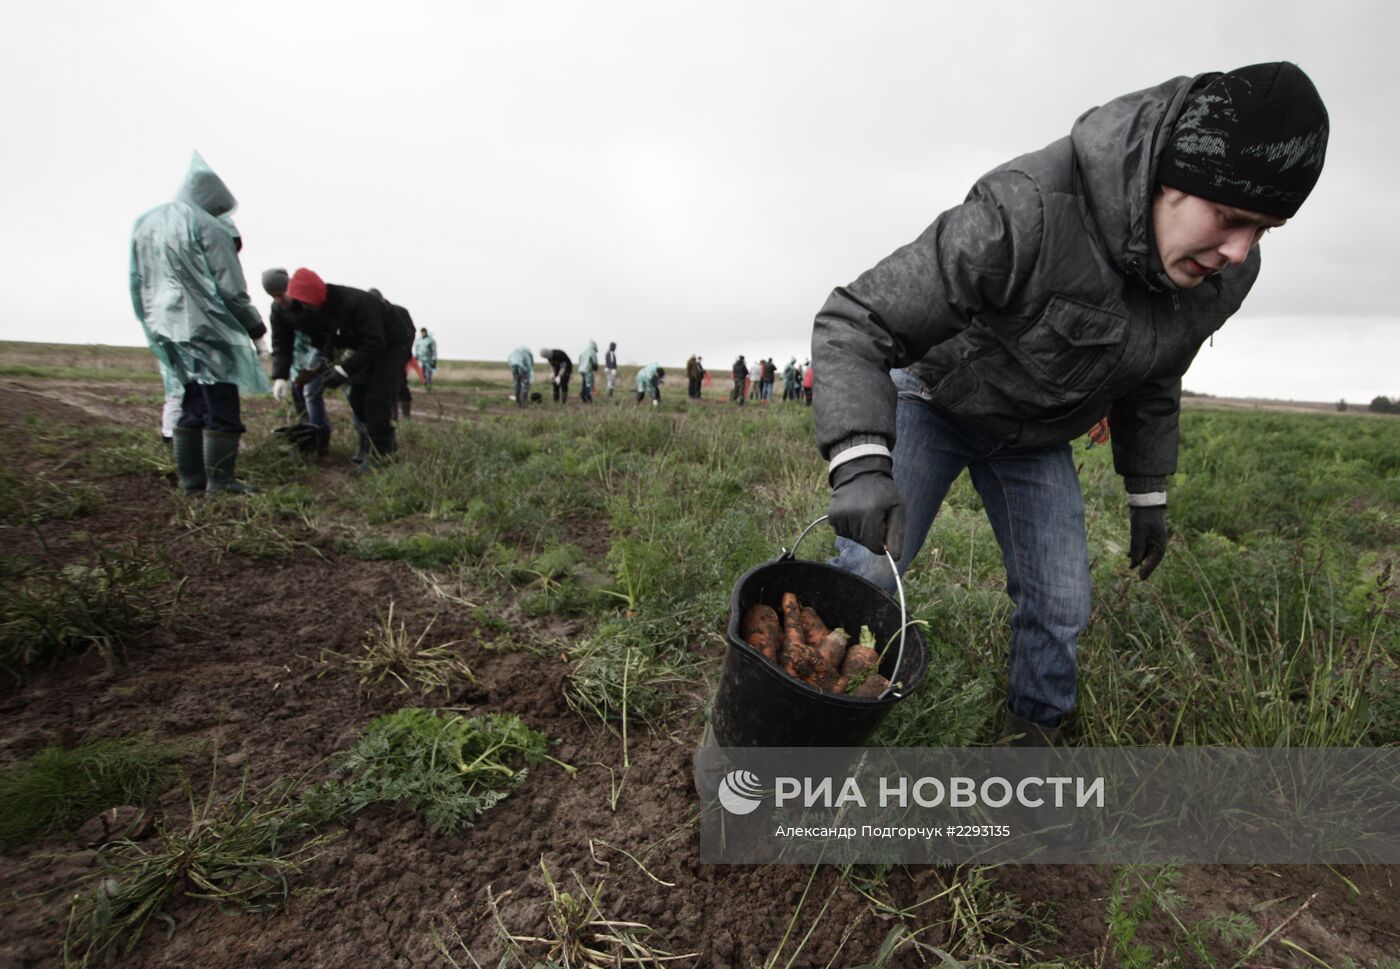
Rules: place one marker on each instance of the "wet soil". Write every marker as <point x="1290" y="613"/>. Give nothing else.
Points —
<point x="242" y="670"/>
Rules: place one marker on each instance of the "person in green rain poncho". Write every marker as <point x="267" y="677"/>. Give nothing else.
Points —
<point x="188" y="291"/>
<point x="587" y="365"/>
<point x="649" y="380"/>
<point x="522" y="369"/>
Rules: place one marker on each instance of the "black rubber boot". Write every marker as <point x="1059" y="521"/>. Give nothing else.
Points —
<point x="187" y="444"/>
<point x="221" y="463"/>
<point x="1016" y="732"/>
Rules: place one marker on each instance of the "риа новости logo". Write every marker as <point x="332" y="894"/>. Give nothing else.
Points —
<point x="740" y="792"/>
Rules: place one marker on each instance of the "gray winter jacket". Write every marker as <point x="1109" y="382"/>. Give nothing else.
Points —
<point x="1037" y="306"/>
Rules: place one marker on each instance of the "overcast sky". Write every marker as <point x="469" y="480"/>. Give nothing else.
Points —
<point x="677" y="177"/>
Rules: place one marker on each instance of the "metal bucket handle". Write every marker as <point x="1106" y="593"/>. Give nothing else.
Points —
<point x="903" y="610"/>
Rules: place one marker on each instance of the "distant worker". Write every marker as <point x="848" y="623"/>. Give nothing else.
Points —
<point x="377" y="345"/>
<point x="807" y="382"/>
<point x="188" y="291"/>
<point x="563" y="367"/>
<point x="790" y="382"/>
<point x="740" y="372"/>
<point x="770" y="371"/>
<point x="425" y="351"/>
<point x="649" y="380"/>
<point x="587" y="366"/>
<point x="522" y="372"/>
<point x="610" y="367"/>
<point x="693" y="374"/>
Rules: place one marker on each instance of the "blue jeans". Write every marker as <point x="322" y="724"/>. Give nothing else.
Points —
<point x="1036" y="509"/>
<point x="314" y="394"/>
<point x="522" y="385"/>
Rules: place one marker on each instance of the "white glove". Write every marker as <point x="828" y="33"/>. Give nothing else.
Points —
<point x="556" y="380"/>
<point x="261" y="344"/>
<point x="281" y="390"/>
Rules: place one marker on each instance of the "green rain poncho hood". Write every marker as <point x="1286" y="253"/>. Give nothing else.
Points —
<point x="588" y="359"/>
<point x="188" y="290"/>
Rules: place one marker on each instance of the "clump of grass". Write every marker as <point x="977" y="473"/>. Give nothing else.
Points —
<point x="554" y="582"/>
<point x="633" y="669"/>
<point x="580" y="935"/>
<point x="47" y="613"/>
<point x="389" y="654"/>
<point x="978" y="921"/>
<point x="272" y="524"/>
<point x="421" y="549"/>
<point x="58" y="788"/>
<point x="239" y="853"/>
<point x="32" y="498"/>
<point x="447" y="766"/>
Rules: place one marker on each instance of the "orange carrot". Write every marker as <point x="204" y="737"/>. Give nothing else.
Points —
<point x="813" y="629"/>
<point x="762" y="630"/>
<point x="859" y="658"/>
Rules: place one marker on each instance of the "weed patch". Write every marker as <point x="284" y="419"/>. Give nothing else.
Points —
<point x="47" y="613"/>
<point x="447" y="766"/>
<point x="59" y="788"/>
<point x="267" y="525"/>
<point x="580" y="934"/>
<point x="33" y="498"/>
<point x="240" y="853"/>
<point x="389" y="654"/>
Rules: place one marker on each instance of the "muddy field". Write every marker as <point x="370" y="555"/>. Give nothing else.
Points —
<point x="241" y="672"/>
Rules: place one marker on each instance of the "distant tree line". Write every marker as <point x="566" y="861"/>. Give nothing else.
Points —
<point x="1384" y="405"/>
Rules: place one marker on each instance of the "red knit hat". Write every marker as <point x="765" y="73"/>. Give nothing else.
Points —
<point x="306" y="287"/>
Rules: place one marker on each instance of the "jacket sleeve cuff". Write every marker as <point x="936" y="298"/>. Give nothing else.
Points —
<point x="870" y="464"/>
<point x="1142" y="484"/>
<point x="857" y="446"/>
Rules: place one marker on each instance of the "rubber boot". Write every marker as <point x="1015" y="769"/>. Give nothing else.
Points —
<point x="323" y="441"/>
<point x="187" y="444"/>
<point x="221" y="462"/>
<point x="361" y="454"/>
<point x="1016" y="732"/>
<point x="406" y="409"/>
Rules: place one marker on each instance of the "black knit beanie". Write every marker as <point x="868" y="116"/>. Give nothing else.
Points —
<point x="274" y="281"/>
<point x="1253" y="138"/>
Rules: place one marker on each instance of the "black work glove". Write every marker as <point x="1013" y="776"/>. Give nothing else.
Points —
<point x="866" y="506"/>
<point x="333" y="378"/>
<point x="258" y="332"/>
<point x="1149" y="538"/>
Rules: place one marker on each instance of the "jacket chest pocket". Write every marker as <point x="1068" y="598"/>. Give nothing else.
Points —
<point x="1072" y="344"/>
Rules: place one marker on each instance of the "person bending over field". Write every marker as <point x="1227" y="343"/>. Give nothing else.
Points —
<point x="376" y="344"/>
<point x="649" y="380"/>
<point x="1074" y="282"/>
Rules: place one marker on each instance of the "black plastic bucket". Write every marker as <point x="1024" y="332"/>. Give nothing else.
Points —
<point x="758" y="705"/>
